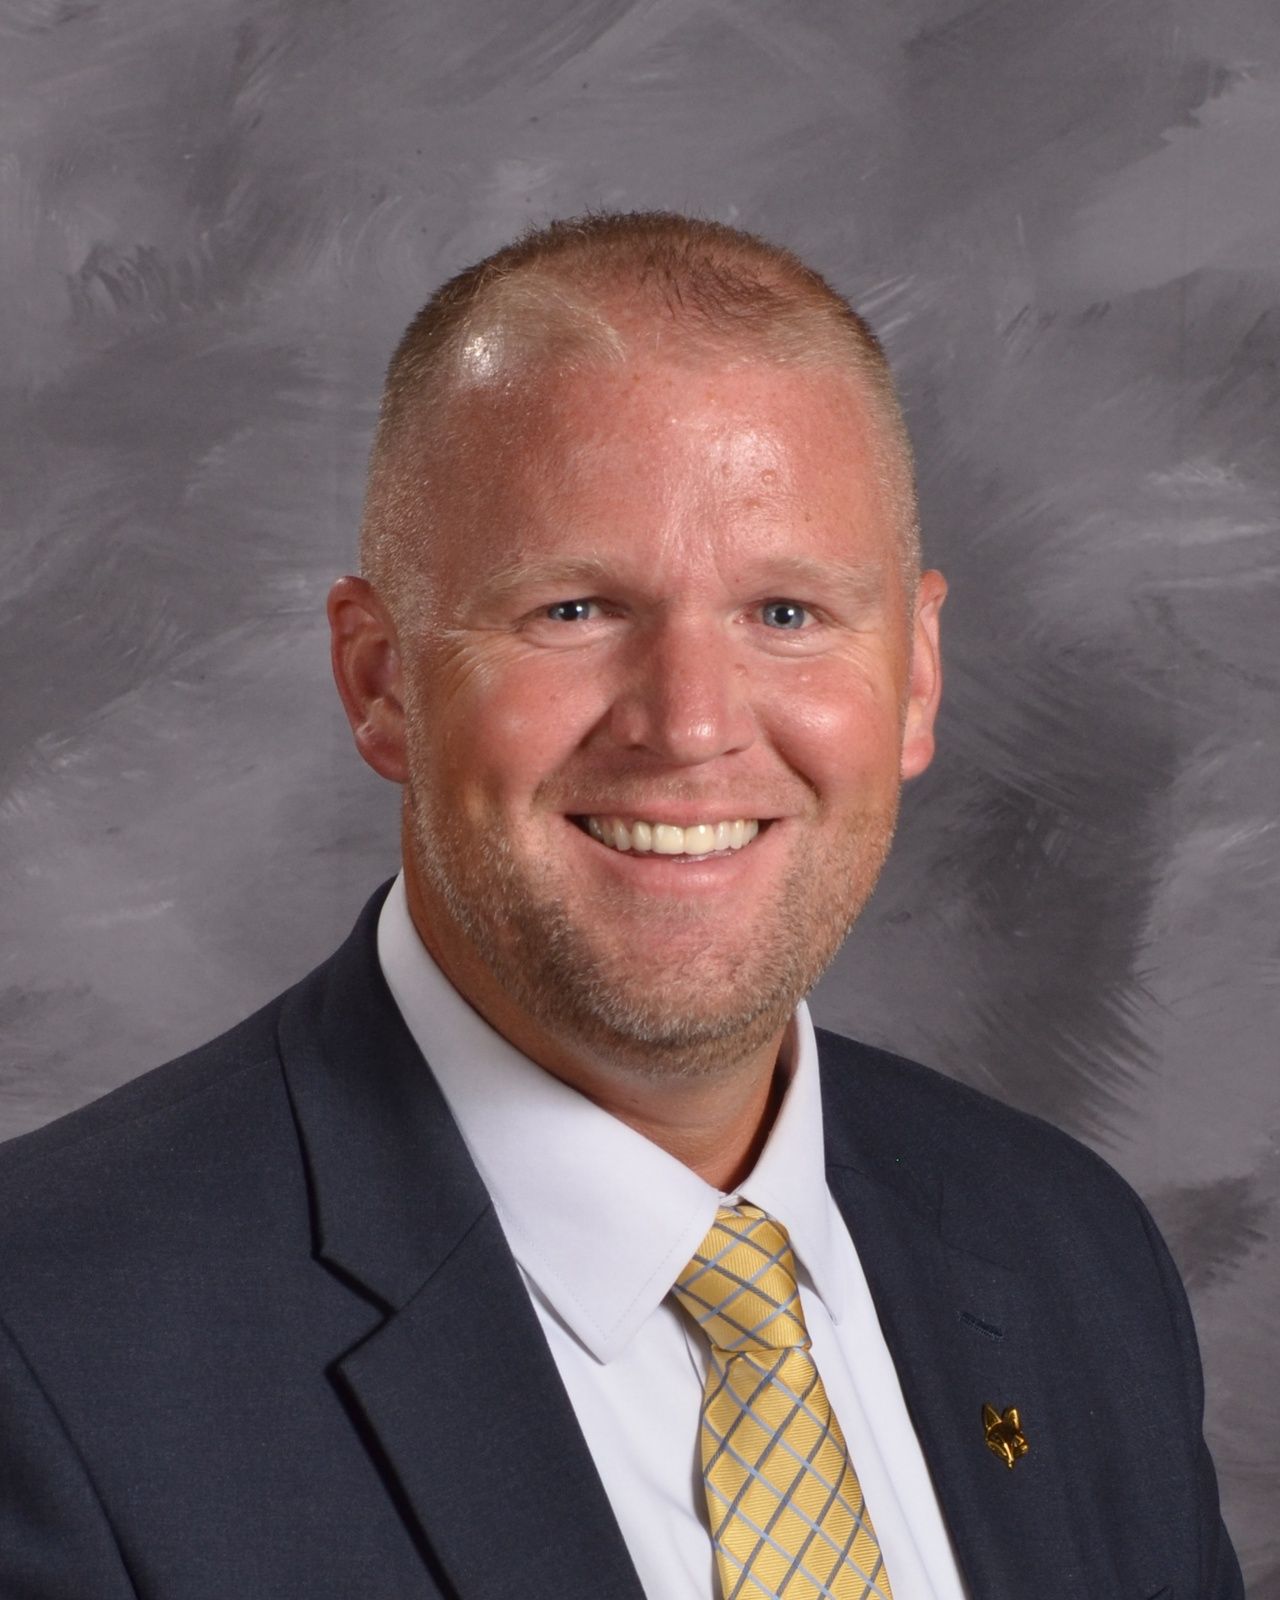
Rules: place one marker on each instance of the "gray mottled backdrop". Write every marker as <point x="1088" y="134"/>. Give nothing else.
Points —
<point x="1065" y="219"/>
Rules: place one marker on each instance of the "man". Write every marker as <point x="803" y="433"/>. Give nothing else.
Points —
<point x="534" y="1244"/>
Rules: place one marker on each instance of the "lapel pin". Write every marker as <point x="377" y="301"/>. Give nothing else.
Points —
<point x="1004" y="1434"/>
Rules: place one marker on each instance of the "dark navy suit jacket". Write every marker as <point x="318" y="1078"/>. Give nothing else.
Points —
<point x="261" y="1336"/>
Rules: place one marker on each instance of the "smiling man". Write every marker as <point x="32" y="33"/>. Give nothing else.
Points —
<point x="536" y="1243"/>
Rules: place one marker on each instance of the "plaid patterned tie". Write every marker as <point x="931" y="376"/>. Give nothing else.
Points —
<point x="788" y="1520"/>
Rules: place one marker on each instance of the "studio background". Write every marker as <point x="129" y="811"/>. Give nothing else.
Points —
<point x="1063" y="218"/>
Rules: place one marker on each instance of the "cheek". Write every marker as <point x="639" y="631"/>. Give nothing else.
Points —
<point x="841" y="731"/>
<point x="497" y="729"/>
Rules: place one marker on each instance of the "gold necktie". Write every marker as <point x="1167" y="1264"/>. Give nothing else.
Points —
<point x="788" y="1520"/>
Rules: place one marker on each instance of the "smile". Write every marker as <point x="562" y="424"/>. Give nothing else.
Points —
<point x="670" y="839"/>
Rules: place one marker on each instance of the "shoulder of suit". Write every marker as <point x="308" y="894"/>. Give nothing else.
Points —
<point x="141" y="1150"/>
<point x="145" y="1115"/>
<point x="953" y="1133"/>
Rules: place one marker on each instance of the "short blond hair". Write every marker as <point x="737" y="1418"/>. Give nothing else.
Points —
<point x="572" y="294"/>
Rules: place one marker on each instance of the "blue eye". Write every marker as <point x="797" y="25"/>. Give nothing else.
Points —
<point x="784" y="614"/>
<point x="570" y="611"/>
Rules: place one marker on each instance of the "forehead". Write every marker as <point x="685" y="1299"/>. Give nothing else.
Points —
<point x="698" y="412"/>
<point x="659" y="453"/>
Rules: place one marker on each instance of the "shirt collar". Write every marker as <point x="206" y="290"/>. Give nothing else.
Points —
<point x="599" y="1217"/>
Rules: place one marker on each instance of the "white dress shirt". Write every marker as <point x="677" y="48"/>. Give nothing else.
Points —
<point x="601" y="1221"/>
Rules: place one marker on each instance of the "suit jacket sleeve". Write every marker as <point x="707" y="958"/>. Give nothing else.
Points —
<point x="55" y="1540"/>
<point x="1220" y="1577"/>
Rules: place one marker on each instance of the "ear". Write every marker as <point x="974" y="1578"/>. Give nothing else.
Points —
<point x="367" y="670"/>
<point x="924" y="685"/>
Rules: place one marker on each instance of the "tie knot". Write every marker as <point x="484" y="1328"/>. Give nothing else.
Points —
<point x="740" y="1286"/>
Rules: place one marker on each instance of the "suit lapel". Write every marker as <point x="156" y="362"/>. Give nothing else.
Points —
<point x="464" y="1398"/>
<point x="456" y="1389"/>
<point x="964" y="1331"/>
<point x="963" y="1334"/>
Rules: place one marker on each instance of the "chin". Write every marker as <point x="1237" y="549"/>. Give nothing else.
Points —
<point x="670" y="1045"/>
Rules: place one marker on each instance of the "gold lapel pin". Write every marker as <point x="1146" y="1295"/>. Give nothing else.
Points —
<point x="1004" y="1434"/>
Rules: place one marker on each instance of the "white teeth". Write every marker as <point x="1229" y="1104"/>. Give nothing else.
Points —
<point x="668" y="839"/>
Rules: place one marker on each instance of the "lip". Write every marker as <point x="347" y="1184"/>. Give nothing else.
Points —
<point x="677" y="817"/>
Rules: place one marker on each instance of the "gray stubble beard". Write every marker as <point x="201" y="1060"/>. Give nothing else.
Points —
<point x="544" y="960"/>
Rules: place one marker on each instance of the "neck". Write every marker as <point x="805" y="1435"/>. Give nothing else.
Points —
<point x="716" y="1123"/>
<point x="717" y="1129"/>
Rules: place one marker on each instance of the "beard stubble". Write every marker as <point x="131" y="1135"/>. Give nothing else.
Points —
<point x="712" y="1005"/>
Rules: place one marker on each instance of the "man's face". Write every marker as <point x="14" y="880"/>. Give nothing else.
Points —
<point x="670" y="604"/>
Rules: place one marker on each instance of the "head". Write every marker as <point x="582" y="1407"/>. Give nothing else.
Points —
<point x="640" y="565"/>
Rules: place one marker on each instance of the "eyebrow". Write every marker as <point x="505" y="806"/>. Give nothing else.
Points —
<point x="859" y="582"/>
<point x="573" y="574"/>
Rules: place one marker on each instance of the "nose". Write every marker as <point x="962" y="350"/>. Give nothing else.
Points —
<point x="685" y="693"/>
